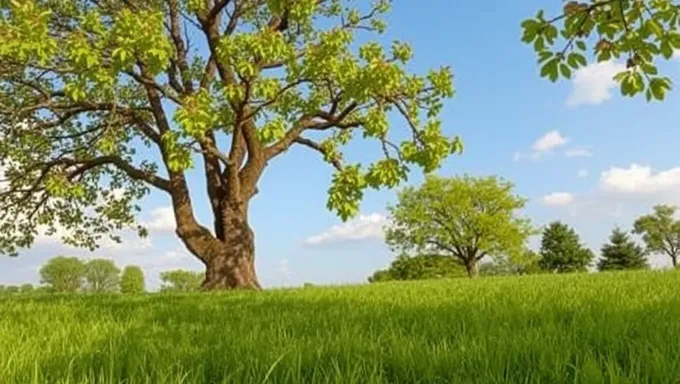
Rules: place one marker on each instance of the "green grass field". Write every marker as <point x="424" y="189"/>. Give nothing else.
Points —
<point x="602" y="328"/>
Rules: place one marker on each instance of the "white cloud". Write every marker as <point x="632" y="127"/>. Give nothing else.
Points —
<point x="594" y="83"/>
<point x="639" y="179"/>
<point x="558" y="199"/>
<point x="578" y="152"/>
<point x="676" y="54"/>
<point x="550" y="141"/>
<point x="162" y="220"/>
<point x="362" y="228"/>
<point x="582" y="173"/>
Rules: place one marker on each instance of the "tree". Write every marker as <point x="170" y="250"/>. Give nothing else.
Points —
<point x="63" y="274"/>
<point x="181" y="281"/>
<point x="660" y="232"/>
<point x="85" y="85"/>
<point x="26" y="288"/>
<point x="12" y="289"/>
<point x="102" y="275"/>
<point x="523" y="263"/>
<point x="419" y="267"/>
<point x="621" y="253"/>
<point x="643" y="32"/>
<point x="132" y="280"/>
<point x="464" y="217"/>
<point x="561" y="250"/>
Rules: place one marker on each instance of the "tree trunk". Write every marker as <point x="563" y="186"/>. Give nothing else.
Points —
<point x="471" y="268"/>
<point x="674" y="260"/>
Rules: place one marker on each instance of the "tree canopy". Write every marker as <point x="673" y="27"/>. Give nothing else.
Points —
<point x="132" y="280"/>
<point x="463" y="217"/>
<point x="561" y="250"/>
<point x="100" y="101"/>
<point x="660" y="231"/>
<point x="642" y="32"/>
<point x="181" y="281"/>
<point x="63" y="274"/>
<point x="621" y="253"/>
<point x="102" y="275"/>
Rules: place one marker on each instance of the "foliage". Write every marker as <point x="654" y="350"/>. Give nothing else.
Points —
<point x="102" y="275"/>
<point x="63" y="274"/>
<point x="181" y="281"/>
<point x="132" y="280"/>
<point x="86" y="86"/>
<point x="26" y="288"/>
<point x="573" y="328"/>
<point x="660" y="231"/>
<point x="463" y="217"/>
<point x="419" y="267"/>
<point x="524" y="263"/>
<point x="561" y="250"/>
<point x="642" y="32"/>
<point x="621" y="253"/>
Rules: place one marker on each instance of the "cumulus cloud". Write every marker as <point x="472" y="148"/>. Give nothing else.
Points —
<point x="582" y="173"/>
<point x="364" y="227"/>
<point x="640" y="179"/>
<point x="545" y="144"/>
<point x="594" y="83"/>
<point x="162" y="220"/>
<point x="578" y="152"/>
<point x="558" y="199"/>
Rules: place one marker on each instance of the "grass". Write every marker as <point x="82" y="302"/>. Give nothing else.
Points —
<point x="602" y="328"/>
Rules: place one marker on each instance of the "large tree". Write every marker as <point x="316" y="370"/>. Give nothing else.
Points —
<point x="63" y="274"/>
<point x="641" y="32"/>
<point x="561" y="250"/>
<point x="464" y="217"/>
<point x="102" y="275"/>
<point x="621" y="253"/>
<point x="660" y="231"/>
<point x="103" y="97"/>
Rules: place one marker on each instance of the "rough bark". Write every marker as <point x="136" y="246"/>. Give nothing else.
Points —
<point x="471" y="267"/>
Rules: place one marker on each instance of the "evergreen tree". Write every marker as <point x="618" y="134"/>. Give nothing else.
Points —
<point x="561" y="250"/>
<point x="622" y="253"/>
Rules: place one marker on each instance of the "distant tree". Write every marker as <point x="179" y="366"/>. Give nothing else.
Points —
<point x="26" y="288"/>
<point x="181" y="280"/>
<point x="308" y="285"/>
<point x="466" y="218"/>
<point x="621" y="253"/>
<point x="63" y="274"/>
<point x="102" y="275"/>
<point x="523" y="263"/>
<point x="44" y="289"/>
<point x="11" y="289"/>
<point x="2" y="289"/>
<point x="660" y="232"/>
<point x="420" y="267"/>
<point x="561" y="250"/>
<point x="132" y="280"/>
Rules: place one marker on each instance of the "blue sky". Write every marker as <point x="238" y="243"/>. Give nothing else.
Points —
<point x="579" y="151"/>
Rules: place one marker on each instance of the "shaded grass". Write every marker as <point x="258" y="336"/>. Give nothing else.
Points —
<point x="603" y="328"/>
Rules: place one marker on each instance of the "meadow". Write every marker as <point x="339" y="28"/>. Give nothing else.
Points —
<point x="598" y="328"/>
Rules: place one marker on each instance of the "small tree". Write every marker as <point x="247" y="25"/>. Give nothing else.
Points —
<point x="181" y="281"/>
<point x="63" y="274"/>
<point x="419" y="267"/>
<point x="561" y="250"/>
<point x="660" y="232"/>
<point x="102" y="275"/>
<point x="523" y="263"/>
<point x="621" y="253"/>
<point x="466" y="218"/>
<point x="132" y="280"/>
<point x="26" y="288"/>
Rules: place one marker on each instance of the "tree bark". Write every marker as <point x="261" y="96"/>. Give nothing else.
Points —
<point x="471" y="267"/>
<point x="674" y="260"/>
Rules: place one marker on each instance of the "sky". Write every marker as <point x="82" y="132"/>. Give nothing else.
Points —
<point x="579" y="151"/>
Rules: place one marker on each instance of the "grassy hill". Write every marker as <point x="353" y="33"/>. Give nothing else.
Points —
<point x="601" y="328"/>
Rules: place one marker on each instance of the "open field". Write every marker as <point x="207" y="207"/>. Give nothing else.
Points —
<point x="609" y="328"/>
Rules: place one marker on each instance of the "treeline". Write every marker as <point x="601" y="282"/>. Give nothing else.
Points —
<point x="447" y="226"/>
<point x="63" y="274"/>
